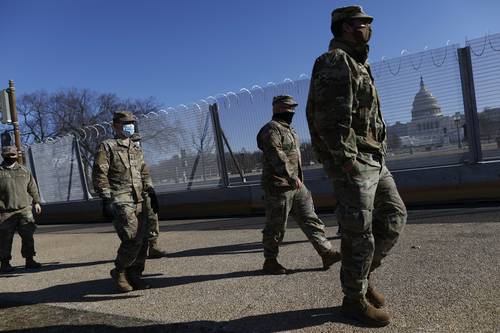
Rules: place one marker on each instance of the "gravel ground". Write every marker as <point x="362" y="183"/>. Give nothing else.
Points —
<point x="443" y="276"/>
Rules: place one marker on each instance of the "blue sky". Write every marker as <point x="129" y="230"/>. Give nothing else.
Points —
<point x="181" y="51"/>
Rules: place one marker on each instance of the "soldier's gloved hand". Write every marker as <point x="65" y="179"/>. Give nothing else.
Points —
<point x="107" y="208"/>
<point x="154" y="200"/>
<point x="38" y="209"/>
<point x="295" y="183"/>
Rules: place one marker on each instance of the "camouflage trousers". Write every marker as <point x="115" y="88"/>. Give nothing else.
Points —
<point x="372" y="216"/>
<point x="299" y="204"/>
<point x="23" y="222"/>
<point x="153" y="224"/>
<point x="131" y="226"/>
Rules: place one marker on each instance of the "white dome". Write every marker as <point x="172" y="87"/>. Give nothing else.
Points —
<point x="425" y="105"/>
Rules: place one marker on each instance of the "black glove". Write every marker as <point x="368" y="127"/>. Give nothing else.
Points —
<point x="154" y="200"/>
<point x="107" y="208"/>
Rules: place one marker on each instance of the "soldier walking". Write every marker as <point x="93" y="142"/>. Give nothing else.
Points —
<point x="284" y="190"/>
<point x="18" y="193"/>
<point x="348" y="135"/>
<point x="121" y="178"/>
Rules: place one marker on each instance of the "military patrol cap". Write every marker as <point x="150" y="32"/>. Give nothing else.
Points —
<point x="123" y="117"/>
<point x="9" y="151"/>
<point x="284" y="99"/>
<point x="349" y="13"/>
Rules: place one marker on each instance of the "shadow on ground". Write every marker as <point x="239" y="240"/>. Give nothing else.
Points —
<point x="252" y="247"/>
<point x="272" y="322"/>
<point x="52" y="266"/>
<point x="85" y="291"/>
<point x="104" y="289"/>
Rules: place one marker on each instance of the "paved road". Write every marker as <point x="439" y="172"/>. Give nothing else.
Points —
<point x="443" y="276"/>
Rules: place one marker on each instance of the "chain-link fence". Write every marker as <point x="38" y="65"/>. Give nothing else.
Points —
<point x="441" y="107"/>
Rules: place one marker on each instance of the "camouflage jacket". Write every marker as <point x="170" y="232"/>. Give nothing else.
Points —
<point x="343" y="108"/>
<point x="18" y="188"/>
<point x="120" y="171"/>
<point x="281" y="156"/>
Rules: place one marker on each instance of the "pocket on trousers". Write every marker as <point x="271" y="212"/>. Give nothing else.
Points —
<point x="125" y="222"/>
<point x="275" y="210"/>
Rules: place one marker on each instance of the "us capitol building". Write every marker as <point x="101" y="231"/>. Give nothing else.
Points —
<point x="429" y="129"/>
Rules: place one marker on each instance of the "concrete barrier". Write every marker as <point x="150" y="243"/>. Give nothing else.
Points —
<point x="453" y="184"/>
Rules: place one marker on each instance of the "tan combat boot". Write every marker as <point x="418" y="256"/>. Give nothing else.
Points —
<point x="329" y="258"/>
<point x="154" y="251"/>
<point x="5" y="267"/>
<point x="134" y="277"/>
<point x="375" y="297"/>
<point x="272" y="266"/>
<point x="32" y="264"/>
<point x="366" y="313"/>
<point x="121" y="280"/>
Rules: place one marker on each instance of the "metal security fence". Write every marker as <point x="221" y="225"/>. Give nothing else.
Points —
<point x="179" y="147"/>
<point x="485" y="57"/>
<point x="422" y="105"/>
<point x="58" y="170"/>
<point x="242" y="114"/>
<point x="441" y="106"/>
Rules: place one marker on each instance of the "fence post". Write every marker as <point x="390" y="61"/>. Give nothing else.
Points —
<point x="33" y="172"/>
<point x="470" y="106"/>
<point x="214" y="112"/>
<point x="83" y="174"/>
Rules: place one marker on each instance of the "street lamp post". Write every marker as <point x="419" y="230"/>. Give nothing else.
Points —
<point x="15" y="123"/>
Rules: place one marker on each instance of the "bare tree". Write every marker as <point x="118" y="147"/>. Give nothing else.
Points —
<point x="66" y="111"/>
<point x="36" y="119"/>
<point x="43" y="115"/>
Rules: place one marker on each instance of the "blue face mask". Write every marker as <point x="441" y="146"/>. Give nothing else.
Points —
<point x="128" y="130"/>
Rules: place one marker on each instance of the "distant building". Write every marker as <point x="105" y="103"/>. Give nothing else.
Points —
<point x="428" y="127"/>
<point x="489" y="124"/>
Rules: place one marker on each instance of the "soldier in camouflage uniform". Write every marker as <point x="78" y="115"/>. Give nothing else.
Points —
<point x="154" y="250"/>
<point x="285" y="192"/>
<point x="121" y="178"/>
<point x="349" y="137"/>
<point x="18" y="192"/>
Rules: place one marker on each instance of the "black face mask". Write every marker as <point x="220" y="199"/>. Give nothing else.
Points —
<point x="285" y="117"/>
<point x="10" y="160"/>
<point x="362" y="35"/>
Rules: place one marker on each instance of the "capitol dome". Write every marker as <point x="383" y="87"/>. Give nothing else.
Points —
<point x="425" y="105"/>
